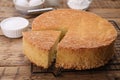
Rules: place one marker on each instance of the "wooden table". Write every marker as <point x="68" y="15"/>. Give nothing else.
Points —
<point x="15" y="66"/>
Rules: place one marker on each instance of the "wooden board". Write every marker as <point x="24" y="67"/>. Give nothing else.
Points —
<point x="11" y="52"/>
<point x="15" y="66"/>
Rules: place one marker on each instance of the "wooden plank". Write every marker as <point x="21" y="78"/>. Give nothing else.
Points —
<point x="24" y="78"/>
<point x="105" y="4"/>
<point x="6" y="12"/>
<point x="2" y="70"/>
<point x="1" y="33"/>
<point x="24" y="71"/>
<point x="10" y="71"/>
<point x="6" y="3"/>
<point x="7" y="78"/>
<point x="73" y="76"/>
<point x="107" y="13"/>
<point x="11" y="52"/>
<point x="65" y="76"/>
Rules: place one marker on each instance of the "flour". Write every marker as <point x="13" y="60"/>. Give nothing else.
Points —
<point x="36" y="2"/>
<point x="23" y="3"/>
<point x="79" y="4"/>
<point x="30" y="3"/>
<point x="14" y="26"/>
<point x="14" y="23"/>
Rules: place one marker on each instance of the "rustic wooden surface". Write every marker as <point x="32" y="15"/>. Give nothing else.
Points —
<point x="15" y="66"/>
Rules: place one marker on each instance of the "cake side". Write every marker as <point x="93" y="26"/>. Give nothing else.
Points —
<point x="35" y="55"/>
<point x="84" y="58"/>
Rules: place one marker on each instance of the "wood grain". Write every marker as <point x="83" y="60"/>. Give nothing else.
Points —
<point x="15" y="66"/>
<point x="11" y="52"/>
<point x="105" y="4"/>
<point x="107" y="13"/>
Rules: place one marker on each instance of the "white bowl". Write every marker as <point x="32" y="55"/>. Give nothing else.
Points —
<point x="24" y="9"/>
<point x="79" y="4"/>
<point x="14" y="26"/>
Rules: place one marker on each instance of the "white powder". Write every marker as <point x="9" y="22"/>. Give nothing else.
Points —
<point x="30" y="3"/>
<point x="36" y="2"/>
<point x="79" y="4"/>
<point x="14" y="23"/>
<point x="23" y="3"/>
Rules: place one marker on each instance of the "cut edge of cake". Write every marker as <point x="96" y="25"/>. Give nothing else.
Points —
<point x="40" y="56"/>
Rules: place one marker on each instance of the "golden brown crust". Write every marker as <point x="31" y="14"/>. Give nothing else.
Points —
<point x="42" y="39"/>
<point x="57" y="20"/>
<point x="88" y="35"/>
<point x="35" y="55"/>
<point x="77" y="40"/>
<point x="84" y="58"/>
<point x="85" y="29"/>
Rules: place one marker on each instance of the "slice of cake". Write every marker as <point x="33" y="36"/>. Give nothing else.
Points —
<point x="40" y="46"/>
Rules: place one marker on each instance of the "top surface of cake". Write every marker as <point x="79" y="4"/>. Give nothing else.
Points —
<point x="85" y="29"/>
<point x="42" y="39"/>
<point x="60" y="19"/>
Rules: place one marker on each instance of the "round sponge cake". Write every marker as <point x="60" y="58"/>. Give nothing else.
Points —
<point x="88" y="38"/>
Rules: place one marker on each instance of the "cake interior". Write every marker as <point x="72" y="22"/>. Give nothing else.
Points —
<point x="37" y="56"/>
<point x="40" y="57"/>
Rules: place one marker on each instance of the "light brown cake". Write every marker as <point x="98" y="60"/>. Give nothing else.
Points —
<point x="88" y="40"/>
<point x="40" y="46"/>
<point x="84" y="51"/>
